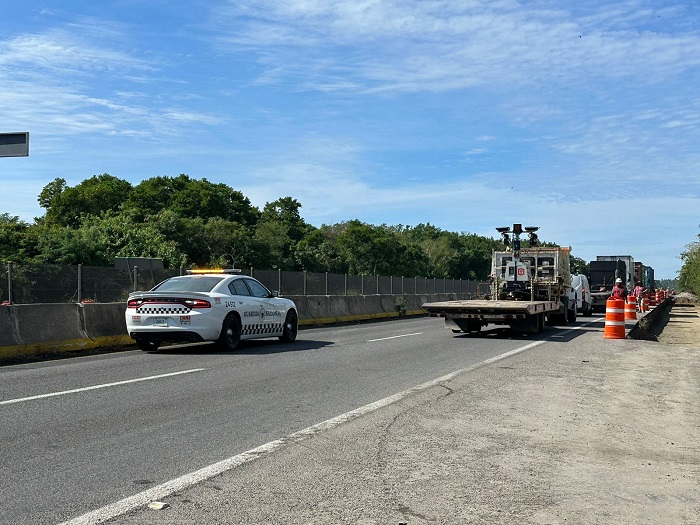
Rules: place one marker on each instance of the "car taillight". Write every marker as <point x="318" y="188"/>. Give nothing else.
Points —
<point x="134" y="303"/>
<point x="196" y="303"/>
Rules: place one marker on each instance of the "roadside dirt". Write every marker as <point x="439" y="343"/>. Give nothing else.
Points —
<point x="681" y="326"/>
<point x="581" y="430"/>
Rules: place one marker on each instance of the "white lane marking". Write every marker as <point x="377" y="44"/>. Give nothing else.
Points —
<point x="393" y="337"/>
<point x="183" y="482"/>
<point x="96" y="387"/>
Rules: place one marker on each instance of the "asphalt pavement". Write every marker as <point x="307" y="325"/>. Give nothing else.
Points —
<point x="576" y="429"/>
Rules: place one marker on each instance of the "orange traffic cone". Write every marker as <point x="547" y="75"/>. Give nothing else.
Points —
<point x="614" y="319"/>
<point x="631" y="308"/>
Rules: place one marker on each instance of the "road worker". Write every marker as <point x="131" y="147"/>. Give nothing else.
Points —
<point x="619" y="291"/>
<point x="639" y="291"/>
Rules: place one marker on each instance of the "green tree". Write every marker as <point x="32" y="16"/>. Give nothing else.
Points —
<point x="472" y="259"/>
<point x="435" y="248"/>
<point x="578" y="264"/>
<point x="99" y="240"/>
<point x="68" y="206"/>
<point x="286" y="211"/>
<point x="689" y="277"/>
<point x="229" y="244"/>
<point x="370" y="250"/>
<point x="191" y="198"/>
<point x="318" y="252"/>
<point x="15" y="243"/>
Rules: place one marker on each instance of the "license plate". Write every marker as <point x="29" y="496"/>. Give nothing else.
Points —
<point x="160" y="321"/>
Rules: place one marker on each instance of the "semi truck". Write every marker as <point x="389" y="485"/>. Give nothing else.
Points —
<point x="529" y="288"/>
<point x="604" y="271"/>
<point x="644" y="275"/>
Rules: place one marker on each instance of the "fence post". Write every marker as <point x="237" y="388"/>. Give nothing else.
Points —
<point x="377" y="279"/>
<point x="326" y="283"/>
<point x="80" y="281"/>
<point x="251" y="271"/>
<point x="279" y="281"/>
<point x="9" y="282"/>
<point x="346" y="284"/>
<point x="305" y="276"/>
<point x="136" y="278"/>
<point x="362" y="286"/>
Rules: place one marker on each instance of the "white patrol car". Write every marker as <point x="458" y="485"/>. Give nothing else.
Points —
<point x="209" y="306"/>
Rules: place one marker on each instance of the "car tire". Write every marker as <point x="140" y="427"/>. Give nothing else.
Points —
<point x="147" y="346"/>
<point x="230" y="333"/>
<point x="291" y="327"/>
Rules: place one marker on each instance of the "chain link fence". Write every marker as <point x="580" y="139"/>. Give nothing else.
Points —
<point x="46" y="283"/>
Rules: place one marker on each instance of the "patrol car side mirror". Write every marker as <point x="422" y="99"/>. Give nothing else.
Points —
<point x="274" y="293"/>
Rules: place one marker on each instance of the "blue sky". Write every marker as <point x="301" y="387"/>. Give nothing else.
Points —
<point x="578" y="117"/>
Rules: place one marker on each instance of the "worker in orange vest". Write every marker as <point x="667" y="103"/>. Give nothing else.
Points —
<point x="619" y="291"/>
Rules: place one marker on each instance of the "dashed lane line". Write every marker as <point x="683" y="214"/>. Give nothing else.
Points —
<point x="97" y="387"/>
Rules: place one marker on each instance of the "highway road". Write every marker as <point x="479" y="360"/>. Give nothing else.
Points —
<point x="79" y="434"/>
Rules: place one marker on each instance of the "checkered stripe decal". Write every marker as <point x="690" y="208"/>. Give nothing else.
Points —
<point x="264" y="328"/>
<point x="163" y="310"/>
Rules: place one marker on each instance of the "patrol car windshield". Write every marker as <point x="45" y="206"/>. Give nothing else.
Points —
<point x="189" y="283"/>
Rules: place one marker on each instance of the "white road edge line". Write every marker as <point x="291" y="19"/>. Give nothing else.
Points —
<point x="393" y="337"/>
<point x="183" y="482"/>
<point x="96" y="387"/>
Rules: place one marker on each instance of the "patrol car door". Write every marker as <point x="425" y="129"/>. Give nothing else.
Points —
<point x="270" y="313"/>
<point x="246" y="306"/>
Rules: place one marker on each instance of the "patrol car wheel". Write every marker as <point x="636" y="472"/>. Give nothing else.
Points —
<point x="230" y="333"/>
<point x="291" y="327"/>
<point x="147" y="346"/>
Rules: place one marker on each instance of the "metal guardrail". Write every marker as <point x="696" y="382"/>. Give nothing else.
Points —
<point x="48" y="283"/>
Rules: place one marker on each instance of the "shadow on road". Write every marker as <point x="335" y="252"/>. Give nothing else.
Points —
<point x="251" y="347"/>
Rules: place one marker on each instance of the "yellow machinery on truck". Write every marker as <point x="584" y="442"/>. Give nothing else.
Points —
<point x="529" y="288"/>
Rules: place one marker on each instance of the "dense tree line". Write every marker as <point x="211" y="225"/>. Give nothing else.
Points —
<point x="689" y="278"/>
<point x="189" y="222"/>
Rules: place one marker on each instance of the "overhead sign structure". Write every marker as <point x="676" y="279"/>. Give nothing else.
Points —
<point x="14" y="144"/>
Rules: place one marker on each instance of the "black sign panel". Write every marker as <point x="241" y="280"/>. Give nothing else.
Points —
<point x="14" y="144"/>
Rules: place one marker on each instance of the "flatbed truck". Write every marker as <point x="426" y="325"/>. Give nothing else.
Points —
<point x="529" y="288"/>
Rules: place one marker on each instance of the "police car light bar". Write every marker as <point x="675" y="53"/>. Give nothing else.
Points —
<point x="213" y="270"/>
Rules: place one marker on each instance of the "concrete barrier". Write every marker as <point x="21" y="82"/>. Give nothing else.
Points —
<point x="104" y="323"/>
<point x="33" y="329"/>
<point x="645" y="327"/>
<point x="358" y="308"/>
<point x="338" y="306"/>
<point x="413" y="303"/>
<point x="42" y="323"/>
<point x="42" y="328"/>
<point x="373" y="306"/>
<point x="8" y="328"/>
<point x="320" y="309"/>
<point x="302" y="303"/>
<point x="388" y="303"/>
